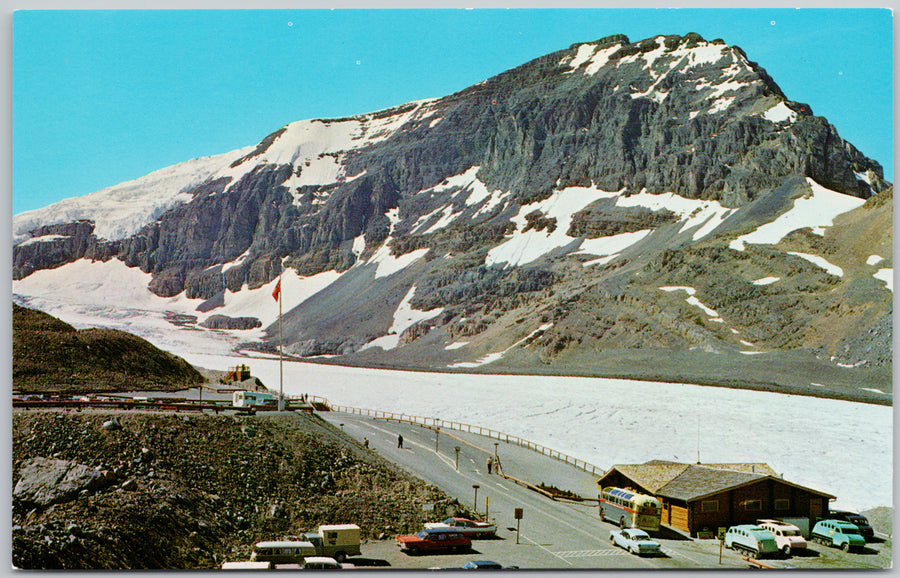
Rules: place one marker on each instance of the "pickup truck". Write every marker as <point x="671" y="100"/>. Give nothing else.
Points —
<point x="336" y="541"/>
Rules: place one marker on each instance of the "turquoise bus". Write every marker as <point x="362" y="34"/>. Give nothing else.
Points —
<point x="629" y="509"/>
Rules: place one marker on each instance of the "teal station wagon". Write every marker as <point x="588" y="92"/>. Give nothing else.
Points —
<point x="839" y="534"/>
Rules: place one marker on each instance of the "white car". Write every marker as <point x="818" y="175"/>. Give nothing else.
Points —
<point x="320" y="563"/>
<point x="471" y="528"/>
<point x="787" y="536"/>
<point x="635" y="541"/>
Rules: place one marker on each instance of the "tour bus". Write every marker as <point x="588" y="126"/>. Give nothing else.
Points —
<point x="629" y="509"/>
<point x="253" y="399"/>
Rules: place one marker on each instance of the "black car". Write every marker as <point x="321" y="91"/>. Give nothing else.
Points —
<point x="856" y="519"/>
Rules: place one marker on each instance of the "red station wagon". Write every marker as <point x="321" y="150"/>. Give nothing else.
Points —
<point x="430" y="540"/>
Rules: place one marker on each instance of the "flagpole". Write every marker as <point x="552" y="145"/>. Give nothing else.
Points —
<point x="280" y="349"/>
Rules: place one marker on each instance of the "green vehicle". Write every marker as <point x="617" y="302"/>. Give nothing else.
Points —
<point x="839" y="534"/>
<point x="751" y="540"/>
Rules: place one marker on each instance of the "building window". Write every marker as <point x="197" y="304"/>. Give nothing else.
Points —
<point x="753" y="505"/>
<point x="782" y="504"/>
<point x="709" y="506"/>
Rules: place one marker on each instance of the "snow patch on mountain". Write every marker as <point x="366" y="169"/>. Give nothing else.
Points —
<point x="611" y="245"/>
<point x="316" y="148"/>
<point x="886" y="275"/>
<point x="707" y="215"/>
<point x="693" y="300"/>
<point x="492" y="357"/>
<point x="112" y="290"/>
<point x="258" y="302"/>
<point x="527" y="246"/>
<point x="404" y="318"/>
<point x="766" y="280"/>
<point x="590" y="54"/>
<point x="103" y="284"/>
<point x="830" y="268"/>
<point x="780" y="113"/>
<point x="388" y="264"/>
<point x="42" y="239"/>
<point x="818" y="209"/>
<point x="122" y="210"/>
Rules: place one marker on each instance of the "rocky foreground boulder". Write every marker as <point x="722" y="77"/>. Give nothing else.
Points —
<point x="192" y="491"/>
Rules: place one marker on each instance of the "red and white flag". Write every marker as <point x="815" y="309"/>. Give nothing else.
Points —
<point x="277" y="290"/>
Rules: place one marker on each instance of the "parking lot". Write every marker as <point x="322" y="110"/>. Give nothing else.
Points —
<point x="676" y="555"/>
<point x="553" y="534"/>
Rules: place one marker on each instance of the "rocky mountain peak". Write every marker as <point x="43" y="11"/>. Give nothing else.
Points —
<point x="590" y="167"/>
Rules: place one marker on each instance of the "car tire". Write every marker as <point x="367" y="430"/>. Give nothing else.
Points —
<point x="340" y="557"/>
<point x="845" y="546"/>
<point x="786" y="550"/>
<point x="612" y="539"/>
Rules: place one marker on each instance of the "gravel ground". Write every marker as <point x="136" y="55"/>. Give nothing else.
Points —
<point x="191" y="491"/>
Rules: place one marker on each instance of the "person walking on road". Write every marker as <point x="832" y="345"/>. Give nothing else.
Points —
<point x="400" y="441"/>
<point x="490" y="463"/>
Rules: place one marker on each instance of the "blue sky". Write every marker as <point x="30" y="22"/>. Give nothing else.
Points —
<point x="101" y="97"/>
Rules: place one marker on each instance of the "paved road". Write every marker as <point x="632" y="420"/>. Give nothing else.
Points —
<point x="552" y="534"/>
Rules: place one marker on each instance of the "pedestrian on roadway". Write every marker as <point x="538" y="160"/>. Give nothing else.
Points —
<point x="400" y="441"/>
<point x="490" y="462"/>
<point x="366" y="443"/>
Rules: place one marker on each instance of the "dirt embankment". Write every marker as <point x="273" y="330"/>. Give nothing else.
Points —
<point x="192" y="491"/>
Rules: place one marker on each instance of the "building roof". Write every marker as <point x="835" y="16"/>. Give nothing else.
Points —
<point x="652" y="475"/>
<point x="691" y="482"/>
<point x="697" y="481"/>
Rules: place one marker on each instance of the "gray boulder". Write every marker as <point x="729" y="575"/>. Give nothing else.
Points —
<point x="44" y="481"/>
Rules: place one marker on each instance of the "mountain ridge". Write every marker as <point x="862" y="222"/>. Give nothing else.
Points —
<point x="594" y="166"/>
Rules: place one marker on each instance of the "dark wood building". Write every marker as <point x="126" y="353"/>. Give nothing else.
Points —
<point x="704" y="497"/>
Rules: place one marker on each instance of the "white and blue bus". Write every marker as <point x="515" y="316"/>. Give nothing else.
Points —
<point x="629" y="509"/>
<point x="253" y="399"/>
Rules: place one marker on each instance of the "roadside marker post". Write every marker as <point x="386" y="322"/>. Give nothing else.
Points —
<point x="475" y="507"/>
<point x="457" y="457"/>
<point x="518" y="513"/>
<point x="721" y="537"/>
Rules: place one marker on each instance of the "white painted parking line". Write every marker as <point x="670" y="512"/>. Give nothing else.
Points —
<point x="546" y="549"/>
<point x="591" y="553"/>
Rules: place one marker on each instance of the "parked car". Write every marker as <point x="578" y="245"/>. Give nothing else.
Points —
<point x="282" y="551"/>
<point x="434" y="539"/>
<point x="634" y="540"/>
<point x="321" y="563"/>
<point x="482" y="565"/>
<point x="471" y="528"/>
<point x="751" y="540"/>
<point x="787" y="536"/>
<point x="858" y="520"/>
<point x="839" y="534"/>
